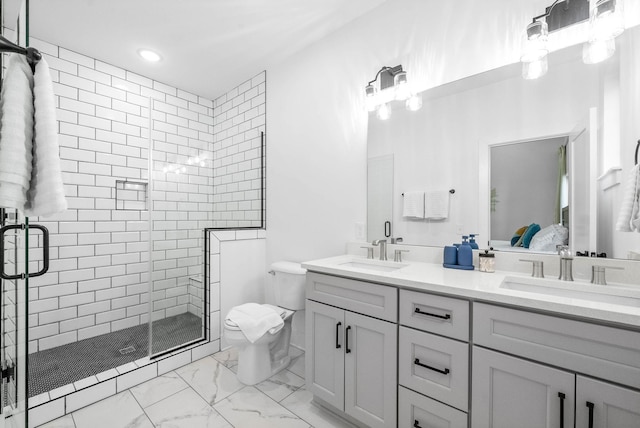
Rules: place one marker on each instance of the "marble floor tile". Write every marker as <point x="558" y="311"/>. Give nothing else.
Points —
<point x="63" y="422"/>
<point x="299" y="403"/>
<point x="211" y="379"/>
<point x="251" y="408"/>
<point x="281" y="385"/>
<point x="229" y="358"/>
<point x="297" y="366"/>
<point x="119" y="411"/>
<point x="158" y="388"/>
<point x="185" y="409"/>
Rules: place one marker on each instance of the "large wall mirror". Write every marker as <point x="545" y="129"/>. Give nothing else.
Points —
<point x="551" y="151"/>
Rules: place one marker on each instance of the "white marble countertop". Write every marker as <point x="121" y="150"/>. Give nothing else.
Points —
<point x="486" y="287"/>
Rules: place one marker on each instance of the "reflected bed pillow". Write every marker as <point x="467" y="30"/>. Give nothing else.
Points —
<point x="549" y="237"/>
<point x="516" y="241"/>
<point x="528" y="235"/>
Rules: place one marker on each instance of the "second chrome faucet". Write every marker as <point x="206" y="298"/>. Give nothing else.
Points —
<point x="383" y="247"/>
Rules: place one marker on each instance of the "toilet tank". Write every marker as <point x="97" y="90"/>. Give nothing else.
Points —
<point x="289" y="285"/>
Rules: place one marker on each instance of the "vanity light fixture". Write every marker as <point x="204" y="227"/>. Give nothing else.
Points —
<point x="605" y="24"/>
<point x="535" y="50"/>
<point x="390" y="84"/>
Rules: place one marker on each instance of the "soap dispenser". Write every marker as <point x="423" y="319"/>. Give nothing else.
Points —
<point x="465" y="254"/>
<point x="472" y="241"/>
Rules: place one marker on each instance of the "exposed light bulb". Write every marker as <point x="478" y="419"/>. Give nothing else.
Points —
<point x="606" y="20"/>
<point x="202" y="164"/>
<point x="414" y="103"/>
<point x="597" y="51"/>
<point x="184" y="169"/>
<point x="535" y="51"/>
<point x="535" y="69"/>
<point x="165" y="169"/>
<point x="384" y="111"/>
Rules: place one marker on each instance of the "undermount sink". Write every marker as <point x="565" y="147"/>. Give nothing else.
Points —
<point x="618" y="295"/>
<point x="374" y="265"/>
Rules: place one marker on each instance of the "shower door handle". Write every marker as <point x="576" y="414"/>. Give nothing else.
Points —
<point x="45" y="251"/>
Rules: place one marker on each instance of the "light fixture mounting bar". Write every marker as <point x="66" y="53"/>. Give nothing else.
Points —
<point x="563" y="13"/>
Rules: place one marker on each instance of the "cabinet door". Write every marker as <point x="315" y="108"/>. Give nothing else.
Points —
<point x="371" y="370"/>
<point x="613" y="406"/>
<point x="324" y="369"/>
<point x="509" y="392"/>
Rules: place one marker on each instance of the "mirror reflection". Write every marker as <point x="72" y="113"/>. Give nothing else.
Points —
<point x="495" y="138"/>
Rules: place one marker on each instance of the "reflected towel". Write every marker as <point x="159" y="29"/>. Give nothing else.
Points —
<point x="629" y="216"/>
<point x="255" y="320"/>
<point x="413" y="205"/>
<point x="16" y="133"/>
<point x="436" y="204"/>
<point x="46" y="192"/>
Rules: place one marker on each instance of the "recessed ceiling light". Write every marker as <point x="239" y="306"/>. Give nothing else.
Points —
<point x="149" y="55"/>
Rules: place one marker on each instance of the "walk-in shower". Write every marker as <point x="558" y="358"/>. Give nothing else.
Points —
<point x="125" y="266"/>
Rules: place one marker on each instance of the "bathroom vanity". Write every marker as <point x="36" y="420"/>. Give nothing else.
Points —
<point x="416" y="345"/>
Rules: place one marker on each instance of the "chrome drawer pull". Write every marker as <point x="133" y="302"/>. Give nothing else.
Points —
<point x="444" y="317"/>
<point x="418" y="363"/>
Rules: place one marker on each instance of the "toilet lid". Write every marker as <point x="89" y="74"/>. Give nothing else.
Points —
<point x="284" y="314"/>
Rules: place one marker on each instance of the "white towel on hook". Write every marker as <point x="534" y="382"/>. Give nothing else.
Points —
<point x="629" y="216"/>
<point x="16" y="133"/>
<point x="255" y="320"/>
<point x="46" y="193"/>
<point x="436" y="205"/>
<point x="413" y="204"/>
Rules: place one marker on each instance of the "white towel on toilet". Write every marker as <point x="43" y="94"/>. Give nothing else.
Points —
<point x="255" y="320"/>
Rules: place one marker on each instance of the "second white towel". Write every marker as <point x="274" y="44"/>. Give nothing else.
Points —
<point x="46" y="193"/>
<point x="629" y="216"/>
<point x="436" y="204"/>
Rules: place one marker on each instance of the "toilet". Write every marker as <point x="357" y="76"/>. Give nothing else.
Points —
<point x="270" y="353"/>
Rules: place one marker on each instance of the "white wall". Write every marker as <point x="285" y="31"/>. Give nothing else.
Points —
<point x="316" y="159"/>
<point x="317" y="124"/>
<point x="242" y="271"/>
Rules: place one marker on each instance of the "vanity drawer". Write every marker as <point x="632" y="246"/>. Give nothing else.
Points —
<point x="375" y="300"/>
<point x="417" y="410"/>
<point x="601" y="351"/>
<point x="434" y="366"/>
<point x="436" y="314"/>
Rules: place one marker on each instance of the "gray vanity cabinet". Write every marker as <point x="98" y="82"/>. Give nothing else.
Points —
<point x="511" y="392"/>
<point x="351" y="358"/>
<point x="603" y="405"/>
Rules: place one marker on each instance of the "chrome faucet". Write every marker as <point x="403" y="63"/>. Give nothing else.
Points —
<point x="566" y="263"/>
<point x="383" y="247"/>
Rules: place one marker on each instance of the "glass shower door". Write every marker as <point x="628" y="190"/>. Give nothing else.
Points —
<point x="13" y="245"/>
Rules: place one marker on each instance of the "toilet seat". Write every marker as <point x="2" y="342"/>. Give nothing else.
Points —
<point x="284" y="314"/>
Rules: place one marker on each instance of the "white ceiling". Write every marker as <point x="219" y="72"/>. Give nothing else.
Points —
<point x="208" y="46"/>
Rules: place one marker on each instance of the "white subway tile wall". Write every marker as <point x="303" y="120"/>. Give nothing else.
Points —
<point x="98" y="274"/>
<point x="238" y="120"/>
